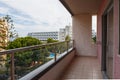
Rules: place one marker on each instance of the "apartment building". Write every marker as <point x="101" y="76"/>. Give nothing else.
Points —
<point x="3" y="40"/>
<point x="44" y="35"/>
<point x="63" y="32"/>
<point x="3" y="33"/>
<point x="57" y="35"/>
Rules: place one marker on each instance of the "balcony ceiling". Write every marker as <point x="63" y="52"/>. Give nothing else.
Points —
<point x="81" y="6"/>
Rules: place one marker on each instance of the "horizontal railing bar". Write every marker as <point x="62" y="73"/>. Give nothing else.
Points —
<point x="28" y="48"/>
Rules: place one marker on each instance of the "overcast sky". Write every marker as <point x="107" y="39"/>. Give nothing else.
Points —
<point x="35" y="15"/>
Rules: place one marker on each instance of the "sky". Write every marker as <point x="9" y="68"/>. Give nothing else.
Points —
<point x="35" y="15"/>
<point x="94" y="23"/>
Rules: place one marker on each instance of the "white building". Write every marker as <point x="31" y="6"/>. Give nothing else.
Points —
<point x="69" y="31"/>
<point x="63" y="32"/>
<point x="44" y="35"/>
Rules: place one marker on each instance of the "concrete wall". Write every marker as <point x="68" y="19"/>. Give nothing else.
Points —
<point x="116" y="40"/>
<point x="82" y="34"/>
<point x="57" y="70"/>
<point x="116" y="55"/>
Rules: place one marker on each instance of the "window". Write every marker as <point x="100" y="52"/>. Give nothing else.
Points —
<point x="94" y="28"/>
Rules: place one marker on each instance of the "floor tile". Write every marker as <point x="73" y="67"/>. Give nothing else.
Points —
<point x="83" y="68"/>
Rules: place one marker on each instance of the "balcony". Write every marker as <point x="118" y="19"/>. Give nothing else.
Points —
<point x="52" y="67"/>
<point x="84" y="60"/>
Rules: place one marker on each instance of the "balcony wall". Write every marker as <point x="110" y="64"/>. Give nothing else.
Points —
<point x="116" y="40"/>
<point x="82" y="35"/>
<point x="56" y="71"/>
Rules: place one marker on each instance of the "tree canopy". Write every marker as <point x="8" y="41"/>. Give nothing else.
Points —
<point x="23" y="42"/>
<point x="67" y="38"/>
<point x="50" y="40"/>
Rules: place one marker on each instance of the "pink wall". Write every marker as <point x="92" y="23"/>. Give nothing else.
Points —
<point x="116" y="40"/>
<point x="57" y="70"/>
<point x="99" y="29"/>
<point x="82" y="34"/>
<point x="116" y="62"/>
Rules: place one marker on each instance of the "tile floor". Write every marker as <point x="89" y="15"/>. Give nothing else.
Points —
<point x="83" y="68"/>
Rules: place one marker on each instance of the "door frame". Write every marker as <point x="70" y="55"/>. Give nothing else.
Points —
<point x="104" y="39"/>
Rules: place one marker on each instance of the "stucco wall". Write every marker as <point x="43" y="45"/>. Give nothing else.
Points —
<point x="116" y="40"/>
<point x="116" y="56"/>
<point x="82" y="34"/>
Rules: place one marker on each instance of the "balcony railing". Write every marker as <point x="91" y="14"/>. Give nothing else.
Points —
<point x="16" y="63"/>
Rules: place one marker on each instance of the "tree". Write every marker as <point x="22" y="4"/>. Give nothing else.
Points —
<point x="23" y="42"/>
<point x="94" y="39"/>
<point x="50" y="40"/>
<point x="67" y="38"/>
<point x="11" y="29"/>
<point x="24" y="58"/>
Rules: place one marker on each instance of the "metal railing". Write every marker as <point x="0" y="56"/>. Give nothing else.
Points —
<point x="15" y="63"/>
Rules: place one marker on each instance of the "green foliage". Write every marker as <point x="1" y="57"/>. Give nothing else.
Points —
<point x="94" y="39"/>
<point x="23" y="42"/>
<point x="67" y="38"/>
<point x="25" y="58"/>
<point x="50" y="40"/>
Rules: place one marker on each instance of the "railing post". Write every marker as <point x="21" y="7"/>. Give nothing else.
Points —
<point x="55" y="57"/>
<point x="67" y="46"/>
<point x="55" y="52"/>
<point x="44" y="51"/>
<point x="73" y="44"/>
<point x="12" y="67"/>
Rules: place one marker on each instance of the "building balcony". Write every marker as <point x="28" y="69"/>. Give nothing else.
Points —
<point x="107" y="48"/>
<point x="84" y="60"/>
<point x="62" y="64"/>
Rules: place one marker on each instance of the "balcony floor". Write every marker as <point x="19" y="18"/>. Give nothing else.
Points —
<point x="83" y="68"/>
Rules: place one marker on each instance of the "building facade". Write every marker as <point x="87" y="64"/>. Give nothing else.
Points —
<point x="63" y="32"/>
<point x="3" y="33"/>
<point x="69" y="31"/>
<point x="60" y="35"/>
<point x="3" y="40"/>
<point x="44" y="35"/>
